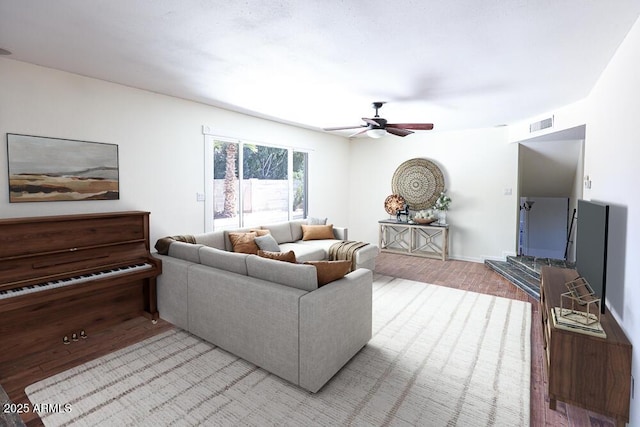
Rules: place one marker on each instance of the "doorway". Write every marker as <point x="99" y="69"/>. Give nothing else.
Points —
<point x="550" y="170"/>
<point x="543" y="227"/>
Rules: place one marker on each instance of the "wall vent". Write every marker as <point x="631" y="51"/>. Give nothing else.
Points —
<point x="542" y="124"/>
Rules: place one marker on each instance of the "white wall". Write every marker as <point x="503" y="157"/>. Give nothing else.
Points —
<point x="160" y="142"/>
<point x="478" y="165"/>
<point x="612" y="152"/>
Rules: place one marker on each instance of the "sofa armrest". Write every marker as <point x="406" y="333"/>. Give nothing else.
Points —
<point x="341" y="233"/>
<point x="335" y="323"/>
<point x="172" y="290"/>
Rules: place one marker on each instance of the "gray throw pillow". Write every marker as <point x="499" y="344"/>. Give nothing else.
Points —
<point x="316" y="221"/>
<point x="267" y="243"/>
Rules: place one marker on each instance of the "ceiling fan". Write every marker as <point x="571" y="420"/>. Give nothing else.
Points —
<point x="377" y="127"/>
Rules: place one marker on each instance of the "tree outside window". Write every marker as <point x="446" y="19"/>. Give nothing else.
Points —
<point x="265" y="191"/>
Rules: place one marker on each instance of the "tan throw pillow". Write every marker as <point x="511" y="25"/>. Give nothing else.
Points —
<point x="317" y="232"/>
<point x="244" y="242"/>
<point x="260" y="232"/>
<point x="328" y="271"/>
<point x="279" y="256"/>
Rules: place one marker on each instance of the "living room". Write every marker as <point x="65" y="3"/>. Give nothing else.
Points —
<point x="161" y="169"/>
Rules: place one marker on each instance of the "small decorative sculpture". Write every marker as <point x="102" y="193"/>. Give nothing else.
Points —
<point x="580" y="293"/>
<point x="404" y="211"/>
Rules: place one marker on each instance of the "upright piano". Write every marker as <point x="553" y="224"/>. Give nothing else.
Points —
<point x="63" y="278"/>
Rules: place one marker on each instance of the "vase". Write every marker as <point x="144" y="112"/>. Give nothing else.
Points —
<point x="442" y="217"/>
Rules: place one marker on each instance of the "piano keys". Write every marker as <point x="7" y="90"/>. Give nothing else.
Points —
<point x="10" y="293"/>
<point x="60" y="275"/>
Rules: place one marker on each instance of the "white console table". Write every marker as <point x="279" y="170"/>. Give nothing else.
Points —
<point x="430" y="241"/>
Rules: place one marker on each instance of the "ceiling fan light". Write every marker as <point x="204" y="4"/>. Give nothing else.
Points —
<point x="376" y="133"/>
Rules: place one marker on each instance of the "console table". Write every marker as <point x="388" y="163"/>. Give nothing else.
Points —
<point x="430" y="241"/>
<point x="591" y="372"/>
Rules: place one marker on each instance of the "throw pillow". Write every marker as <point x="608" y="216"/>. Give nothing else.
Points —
<point x="279" y="256"/>
<point x="328" y="271"/>
<point x="316" y="221"/>
<point x="317" y="232"/>
<point x="259" y="231"/>
<point x="244" y="242"/>
<point x="267" y="243"/>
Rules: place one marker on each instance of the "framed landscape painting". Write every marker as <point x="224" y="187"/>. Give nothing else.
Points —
<point x="43" y="169"/>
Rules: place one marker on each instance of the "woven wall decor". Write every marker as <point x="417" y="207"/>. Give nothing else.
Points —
<point x="419" y="182"/>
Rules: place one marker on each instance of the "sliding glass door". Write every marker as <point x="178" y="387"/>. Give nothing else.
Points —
<point x="251" y="184"/>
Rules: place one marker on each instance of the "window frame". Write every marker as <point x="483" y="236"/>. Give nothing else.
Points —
<point x="209" y="199"/>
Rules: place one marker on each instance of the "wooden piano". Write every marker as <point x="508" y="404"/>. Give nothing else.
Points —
<point x="72" y="276"/>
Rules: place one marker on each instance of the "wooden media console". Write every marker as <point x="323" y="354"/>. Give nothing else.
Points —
<point x="584" y="370"/>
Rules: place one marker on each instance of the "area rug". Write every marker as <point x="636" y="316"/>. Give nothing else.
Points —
<point x="438" y="357"/>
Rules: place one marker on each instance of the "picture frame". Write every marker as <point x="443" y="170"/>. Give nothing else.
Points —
<point x="45" y="169"/>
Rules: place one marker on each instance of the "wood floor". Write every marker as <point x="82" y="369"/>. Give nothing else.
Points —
<point x="478" y="278"/>
<point x="457" y="274"/>
<point x="16" y="375"/>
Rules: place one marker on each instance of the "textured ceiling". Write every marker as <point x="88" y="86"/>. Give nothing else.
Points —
<point x="458" y="64"/>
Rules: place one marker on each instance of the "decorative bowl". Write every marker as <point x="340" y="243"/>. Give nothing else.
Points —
<point x="424" y="220"/>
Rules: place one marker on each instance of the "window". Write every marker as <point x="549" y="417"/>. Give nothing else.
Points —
<point x="251" y="184"/>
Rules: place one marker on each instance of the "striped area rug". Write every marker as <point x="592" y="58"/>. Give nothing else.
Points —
<point x="438" y="357"/>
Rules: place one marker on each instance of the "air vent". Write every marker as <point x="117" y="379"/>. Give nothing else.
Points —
<point x="542" y="124"/>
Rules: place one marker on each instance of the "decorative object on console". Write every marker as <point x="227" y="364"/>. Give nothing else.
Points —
<point x="584" y="320"/>
<point x="419" y="182"/>
<point x="404" y="211"/>
<point x="424" y="217"/>
<point x="394" y="203"/>
<point x="43" y="169"/>
<point x="442" y="206"/>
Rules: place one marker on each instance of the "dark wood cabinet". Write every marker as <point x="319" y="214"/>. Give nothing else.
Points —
<point x="583" y="370"/>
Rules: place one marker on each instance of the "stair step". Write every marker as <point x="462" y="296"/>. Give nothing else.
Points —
<point x="533" y="265"/>
<point x="527" y="265"/>
<point x="520" y="277"/>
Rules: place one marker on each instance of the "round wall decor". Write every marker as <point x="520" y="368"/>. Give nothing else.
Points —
<point x="419" y="182"/>
<point x="393" y="204"/>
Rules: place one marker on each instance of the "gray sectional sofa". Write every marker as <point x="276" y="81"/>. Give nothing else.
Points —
<point x="271" y="313"/>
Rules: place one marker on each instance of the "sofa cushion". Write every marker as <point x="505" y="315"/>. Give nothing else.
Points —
<point x="278" y="256"/>
<point x="328" y="271"/>
<point x="280" y="231"/>
<point x="185" y="251"/>
<point x="215" y="239"/>
<point x="296" y="229"/>
<point x="223" y="260"/>
<point x="299" y="276"/>
<point x="317" y="232"/>
<point x="267" y="243"/>
<point x="244" y="242"/>
<point x="305" y="252"/>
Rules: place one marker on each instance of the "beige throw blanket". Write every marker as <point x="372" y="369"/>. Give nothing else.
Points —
<point x="345" y="250"/>
<point x="162" y="245"/>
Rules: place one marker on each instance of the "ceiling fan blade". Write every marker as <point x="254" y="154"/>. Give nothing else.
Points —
<point x="398" y="131"/>
<point x="358" y="133"/>
<point x="377" y="122"/>
<point x="343" y="127"/>
<point x="372" y="122"/>
<point x="415" y="126"/>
